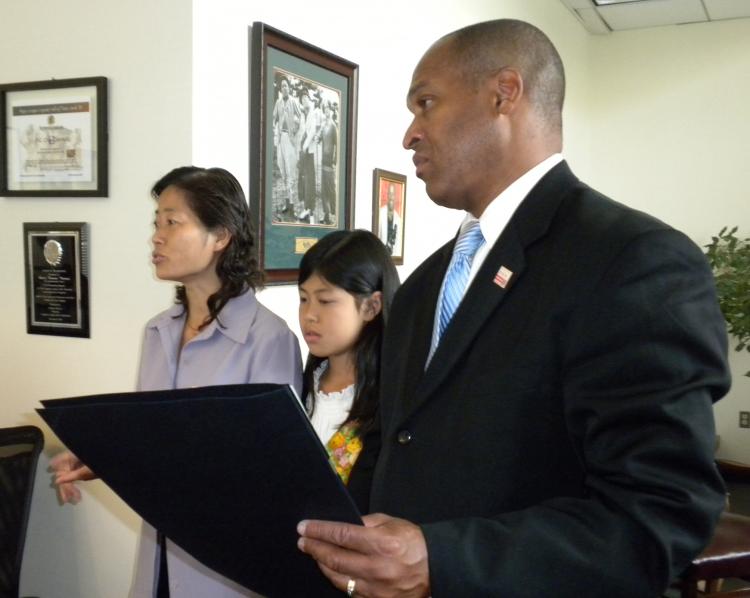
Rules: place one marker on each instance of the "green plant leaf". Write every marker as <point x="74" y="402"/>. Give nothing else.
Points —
<point x="729" y="257"/>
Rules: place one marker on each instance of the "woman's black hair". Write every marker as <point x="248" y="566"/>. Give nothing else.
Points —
<point x="216" y="198"/>
<point x="358" y="262"/>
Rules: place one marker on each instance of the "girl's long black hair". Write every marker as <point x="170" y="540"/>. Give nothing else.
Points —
<point x="357" y="262"/>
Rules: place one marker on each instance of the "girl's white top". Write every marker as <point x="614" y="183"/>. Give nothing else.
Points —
<point x="331" y="409"/>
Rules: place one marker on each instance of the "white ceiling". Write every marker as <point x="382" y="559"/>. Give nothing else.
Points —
<point x="604" y="16"/>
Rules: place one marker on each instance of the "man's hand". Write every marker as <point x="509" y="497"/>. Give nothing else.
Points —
<point x="387" y="557"/>
<point x="68" y="469"/>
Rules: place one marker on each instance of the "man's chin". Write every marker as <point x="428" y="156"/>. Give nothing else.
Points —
<point x="442" y="198"/>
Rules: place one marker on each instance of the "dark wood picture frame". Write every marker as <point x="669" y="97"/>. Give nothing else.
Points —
<point x="54" y="138"/>
<point x="56" y="267"/>
<point x="302" y="147"/>
<point x="390" y="231"/>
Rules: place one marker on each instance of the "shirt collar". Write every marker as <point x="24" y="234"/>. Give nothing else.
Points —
<point x="236" y="317"/>
<point x="498" y="213"/>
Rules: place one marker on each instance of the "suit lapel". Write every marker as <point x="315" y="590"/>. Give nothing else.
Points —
<point x="482" y="298"/>
<point x="424" y="317"/>
<point x="530" y="223"/>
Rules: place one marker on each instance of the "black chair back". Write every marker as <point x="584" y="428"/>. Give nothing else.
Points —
<point x="19" y="453"/>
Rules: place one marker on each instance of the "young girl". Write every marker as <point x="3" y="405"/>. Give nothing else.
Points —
<point x="346" y="284"/>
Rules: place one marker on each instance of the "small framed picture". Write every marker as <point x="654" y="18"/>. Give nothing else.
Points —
<point x="303" y="118"/>
<point x="54" y="140"/>
<point x="389" y="211"/>
<point x="57" y="278"/>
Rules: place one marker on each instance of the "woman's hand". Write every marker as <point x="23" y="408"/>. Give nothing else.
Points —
<point x="68" y="470"/>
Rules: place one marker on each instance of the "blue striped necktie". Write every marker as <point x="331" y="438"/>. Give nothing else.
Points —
<point x="467" y="244"/>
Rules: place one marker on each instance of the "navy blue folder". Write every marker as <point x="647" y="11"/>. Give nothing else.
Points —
<point x="226" y="472"/>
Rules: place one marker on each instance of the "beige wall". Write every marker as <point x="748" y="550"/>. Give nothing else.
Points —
<point x="145" y="50"/>
<point x="646" y="112"/>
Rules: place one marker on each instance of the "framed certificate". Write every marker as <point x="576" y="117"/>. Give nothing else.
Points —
<point x="54" y="140"/>
<point x="57" y="289"/>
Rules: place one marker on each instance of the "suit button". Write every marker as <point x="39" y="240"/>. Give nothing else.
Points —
<point x="404" y="437"/>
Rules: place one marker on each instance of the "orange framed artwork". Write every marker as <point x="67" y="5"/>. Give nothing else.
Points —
<point x="389" y="211"/>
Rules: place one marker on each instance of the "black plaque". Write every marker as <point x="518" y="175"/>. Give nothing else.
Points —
<point x="57" y="281"/>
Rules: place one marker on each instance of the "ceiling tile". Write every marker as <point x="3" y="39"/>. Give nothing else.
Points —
<point x="652" y="13"/>
<point x="591" y="20"/>
<point x="604" y="2"/>
<point x="727" y="9"/>
<point x="636" y="14"/>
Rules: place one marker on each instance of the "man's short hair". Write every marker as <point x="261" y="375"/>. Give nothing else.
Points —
<point x="489" y="46"/>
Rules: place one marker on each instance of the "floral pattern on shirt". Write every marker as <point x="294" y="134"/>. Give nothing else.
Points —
<point x="343" y="449"/>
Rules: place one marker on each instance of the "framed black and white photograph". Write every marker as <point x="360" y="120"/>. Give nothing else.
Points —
<point x="57" y="278"/>
<point x="55" y="138"/>
<point x="303" y="107"/>
<point x="389" y="211"/>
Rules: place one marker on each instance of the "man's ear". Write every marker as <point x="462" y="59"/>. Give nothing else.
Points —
<point x="372" y="306"/>
<point x="508" y="89"/>
<point x="222" y="236"/>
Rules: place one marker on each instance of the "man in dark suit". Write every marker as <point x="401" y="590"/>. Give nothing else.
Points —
<point x="553" y="436"/>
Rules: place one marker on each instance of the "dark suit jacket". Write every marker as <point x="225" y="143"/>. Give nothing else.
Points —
<point x="560" y="443"/>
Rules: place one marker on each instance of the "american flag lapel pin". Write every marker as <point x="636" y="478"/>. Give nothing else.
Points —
<point x="502" y="278"/>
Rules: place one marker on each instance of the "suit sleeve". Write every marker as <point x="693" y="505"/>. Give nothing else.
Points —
<point x="641" y="361"/>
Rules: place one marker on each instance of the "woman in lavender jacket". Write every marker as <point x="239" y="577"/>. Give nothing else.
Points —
<point x="216" y="333"/>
